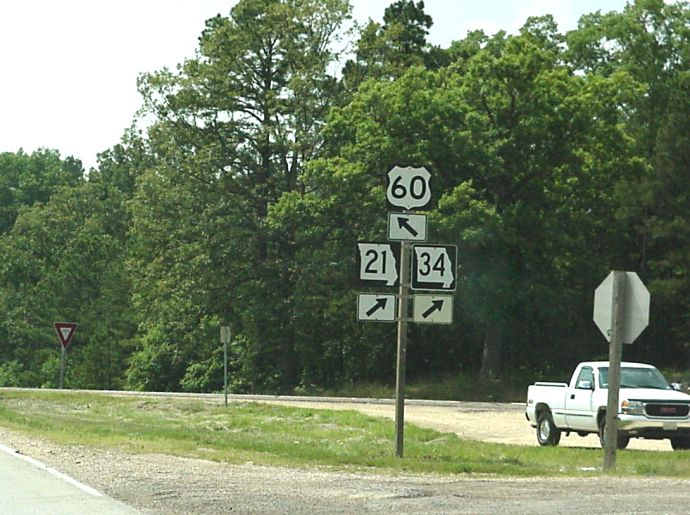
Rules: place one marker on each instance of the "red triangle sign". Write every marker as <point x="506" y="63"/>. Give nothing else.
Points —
<point x="65" y="331"/>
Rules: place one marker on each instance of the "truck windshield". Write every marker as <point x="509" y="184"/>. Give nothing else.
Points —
<point x="635" y="377"/>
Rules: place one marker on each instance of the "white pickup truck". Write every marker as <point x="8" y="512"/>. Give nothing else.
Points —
<point x="648" y="406"/>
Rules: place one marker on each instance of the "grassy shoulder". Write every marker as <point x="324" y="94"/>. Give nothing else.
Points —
<point x="294" y="437"/>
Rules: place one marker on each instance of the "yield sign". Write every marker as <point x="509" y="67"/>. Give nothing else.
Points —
<point x="65" y="331"/>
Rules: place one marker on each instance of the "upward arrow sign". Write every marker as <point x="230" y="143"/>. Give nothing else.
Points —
<point x="406" y="227"/>
<point x="404" y="223"/>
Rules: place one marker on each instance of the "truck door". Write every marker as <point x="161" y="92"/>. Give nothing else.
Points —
<point x="579" y="413"/>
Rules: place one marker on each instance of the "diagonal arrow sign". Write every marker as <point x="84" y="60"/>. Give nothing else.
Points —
<point x="404" y="223"/>
<point x="432" y="309"/>
<point x="380" y="304"/>
<point x="407" y="227"/>
<point x="376" y="307"/>
<point x="436" y="305"/>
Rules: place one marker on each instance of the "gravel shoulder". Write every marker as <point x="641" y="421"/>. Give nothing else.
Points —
<point x="164" y="484"/>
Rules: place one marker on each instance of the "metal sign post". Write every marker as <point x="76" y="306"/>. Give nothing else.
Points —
<point x="403" y="303"/>
<point x="62" y="367"/>
<point x="615" y="357"/>
<point x="225" y="337"/>
<point x="621" y="312"/>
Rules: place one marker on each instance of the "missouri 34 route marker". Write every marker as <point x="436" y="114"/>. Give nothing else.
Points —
<point x="434" y="267"/>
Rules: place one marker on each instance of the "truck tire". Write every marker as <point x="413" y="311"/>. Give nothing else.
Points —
<point x="621" y="442"/>
<point x="680" y="443"/>
<point x="547" y="432"/>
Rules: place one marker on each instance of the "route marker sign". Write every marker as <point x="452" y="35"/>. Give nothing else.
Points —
<point x="378" y="263"/>
<point x="65" y="332"/>
<point x="377" y="307"/>
<point x="406" y="227"/>
<point x="408" y="187"/>
<point x="421" y="267"/>
<point x="432" y="309"/>
<point x="434" y="267"/>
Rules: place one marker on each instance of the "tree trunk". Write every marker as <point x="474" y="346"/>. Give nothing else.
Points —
<point x="491" y="355"/>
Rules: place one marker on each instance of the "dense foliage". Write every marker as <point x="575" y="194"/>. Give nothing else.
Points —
<point x="555" y="158"/>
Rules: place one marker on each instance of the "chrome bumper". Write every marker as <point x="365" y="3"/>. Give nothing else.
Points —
<point x="636" y="423"/>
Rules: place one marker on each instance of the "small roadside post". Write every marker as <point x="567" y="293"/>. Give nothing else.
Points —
<point x="621" y="311"/>
<point x="65" y="332"/>
<point x="225" y="336"/>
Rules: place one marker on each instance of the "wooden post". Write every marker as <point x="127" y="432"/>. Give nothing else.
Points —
<point x="402" y="348"/>
<point x="614" y="379"/>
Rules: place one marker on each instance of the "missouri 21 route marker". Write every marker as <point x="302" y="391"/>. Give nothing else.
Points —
<point x="378" y="263"/>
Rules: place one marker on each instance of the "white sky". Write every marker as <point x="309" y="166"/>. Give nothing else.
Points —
<point x="69" y="67"/>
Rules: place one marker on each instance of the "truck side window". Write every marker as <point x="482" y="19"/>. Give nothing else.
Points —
<point x="585" y="379"/>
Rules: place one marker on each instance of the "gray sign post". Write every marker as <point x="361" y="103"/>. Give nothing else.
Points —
<point x="403" y="306"/>
<point x="225" y="337"/>
<point x="621" y="311"/>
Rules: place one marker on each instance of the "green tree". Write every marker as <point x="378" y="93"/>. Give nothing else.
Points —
<point x="649" y="40"/>
<point x="525" y="156"/>
<point x="234" y="128"/>
<point x="64" y="261"/>
<point x="26" y="179"/>
<point x="386" y="51"/>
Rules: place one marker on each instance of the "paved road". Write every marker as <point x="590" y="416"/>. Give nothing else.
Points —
<point x="28" y="486"/>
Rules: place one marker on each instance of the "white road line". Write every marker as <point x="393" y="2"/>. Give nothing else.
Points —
<point x="50" y="470"/>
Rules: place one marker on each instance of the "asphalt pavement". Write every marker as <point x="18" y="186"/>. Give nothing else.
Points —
<point x="29" y="487"/>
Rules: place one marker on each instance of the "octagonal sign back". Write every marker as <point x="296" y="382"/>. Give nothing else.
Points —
<point x="636" y="308"/>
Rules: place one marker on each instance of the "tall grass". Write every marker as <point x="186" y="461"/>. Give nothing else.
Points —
<point x="465" y="387"/>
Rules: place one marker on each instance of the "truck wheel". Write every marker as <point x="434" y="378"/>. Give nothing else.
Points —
<point x="680" y="443"/>
<point x="621" y="442"/>
<point x="547" y="432"/>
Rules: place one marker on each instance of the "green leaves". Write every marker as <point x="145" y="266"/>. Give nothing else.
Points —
<point x="554" y="158"/>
